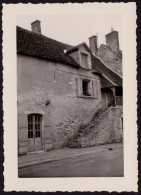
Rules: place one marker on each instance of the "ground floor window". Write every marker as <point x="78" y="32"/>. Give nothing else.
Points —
<point x="34" y="125"/>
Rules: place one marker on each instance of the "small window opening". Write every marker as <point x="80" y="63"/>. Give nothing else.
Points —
<point x="85" y="87"/>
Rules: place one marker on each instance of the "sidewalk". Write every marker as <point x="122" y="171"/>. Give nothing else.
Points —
<point x="48" y="156"/>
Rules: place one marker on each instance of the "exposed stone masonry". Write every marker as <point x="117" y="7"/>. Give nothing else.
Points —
<point x="111" y="59"/>
<point x="105" y="128"/>
<point x="65" y="129"/>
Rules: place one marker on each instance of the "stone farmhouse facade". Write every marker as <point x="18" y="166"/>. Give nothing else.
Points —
<point x="60" y="90"/>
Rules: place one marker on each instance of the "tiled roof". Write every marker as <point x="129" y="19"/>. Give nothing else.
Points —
<point x="37" y="45"/>
<point x="75" y="48"/>
<point x="100" y="67"/>
<point x="112" y="59"/>
<point x="40" y="46"/>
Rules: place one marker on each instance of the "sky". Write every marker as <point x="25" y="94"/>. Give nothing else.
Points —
<point x="75" y="29"/>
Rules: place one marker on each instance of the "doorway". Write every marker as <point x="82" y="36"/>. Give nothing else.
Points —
<point x="34" y="132"/>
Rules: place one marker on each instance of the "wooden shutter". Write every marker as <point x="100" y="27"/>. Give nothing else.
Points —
<point x="90" y="86"/>
<point x="23" y="133"/>
<point x="95" y="91"/>
<point x="79" y="87"/>
<point x="48" y="130"/>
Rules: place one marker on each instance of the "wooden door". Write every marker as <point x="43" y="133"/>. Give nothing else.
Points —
<point x="34" y="132"/>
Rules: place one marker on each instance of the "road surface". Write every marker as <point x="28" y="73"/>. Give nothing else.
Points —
<point x="107" y="163"/>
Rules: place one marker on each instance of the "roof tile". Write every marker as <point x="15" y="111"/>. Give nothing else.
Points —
<point x="38" y="45"/>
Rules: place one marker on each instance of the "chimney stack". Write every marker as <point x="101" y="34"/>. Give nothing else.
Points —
<point x="36" y="26"/>
<point x="112" y="40"/>
<point x="93" y="44"/>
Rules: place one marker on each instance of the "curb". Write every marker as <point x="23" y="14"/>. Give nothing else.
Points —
<point x="52" y="160"/>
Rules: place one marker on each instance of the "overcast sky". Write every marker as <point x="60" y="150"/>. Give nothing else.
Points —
<point x="75" y="29"/>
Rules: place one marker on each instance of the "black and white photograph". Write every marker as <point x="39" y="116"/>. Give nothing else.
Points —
<point x="73" y="113"/>
<point x="70" y="108"/>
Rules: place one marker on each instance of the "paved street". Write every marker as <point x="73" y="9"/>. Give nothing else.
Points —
<point x="108" y="163"/>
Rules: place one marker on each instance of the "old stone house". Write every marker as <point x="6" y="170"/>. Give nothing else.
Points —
<point x="60" y="90"/>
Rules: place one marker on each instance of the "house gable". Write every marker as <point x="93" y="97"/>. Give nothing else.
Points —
<point x="81" y="54"/>
<point x="111" y="59"/>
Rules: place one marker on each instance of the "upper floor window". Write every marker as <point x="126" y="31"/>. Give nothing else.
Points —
<point x="88" y="88"/>
<point x="81" y="55"/>
<point x="84" y="60"/>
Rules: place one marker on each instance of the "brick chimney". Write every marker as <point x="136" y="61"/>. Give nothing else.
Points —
<point x="36" y="26"/>
<point x="93" y="44"/>
<point x="112" y="40"/>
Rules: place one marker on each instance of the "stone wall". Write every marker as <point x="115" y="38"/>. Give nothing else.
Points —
<point x="50" y="89"/>
<point x="111" y="59"/>
<point x="106" y="128"/>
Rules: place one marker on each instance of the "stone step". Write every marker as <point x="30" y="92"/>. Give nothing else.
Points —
<point x="74" y="145"/>
<point x="94" y="122"/>
<point x="78" y="141"/>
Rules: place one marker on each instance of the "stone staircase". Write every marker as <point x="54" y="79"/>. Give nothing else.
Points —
<point x="105" y="128"/>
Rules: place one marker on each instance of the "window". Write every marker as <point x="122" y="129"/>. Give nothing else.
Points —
<point x="88" y="88"/>
<point x="84" y="59"/>
<point x="85" y="88"/>
<point x="34" y="125"/>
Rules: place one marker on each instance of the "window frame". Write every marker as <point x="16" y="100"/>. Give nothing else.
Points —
<point x="36" y="124"/>
<point x="88" y="81"/>
<point x="85" y="66"/>
<point x="94" y="87"/>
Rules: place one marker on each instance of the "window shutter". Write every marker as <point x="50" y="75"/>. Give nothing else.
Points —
<point x="99" y="89"/>
<point x="48" y="130"/>
<point x="79" y="87"/>
<point x="23" y="133"/>
<point x="95" y="89"/>
<point x="90" y="88"/>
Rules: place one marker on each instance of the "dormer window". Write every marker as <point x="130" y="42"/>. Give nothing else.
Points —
<point x="81" y="54"/>
<point x="84" y="60"/>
